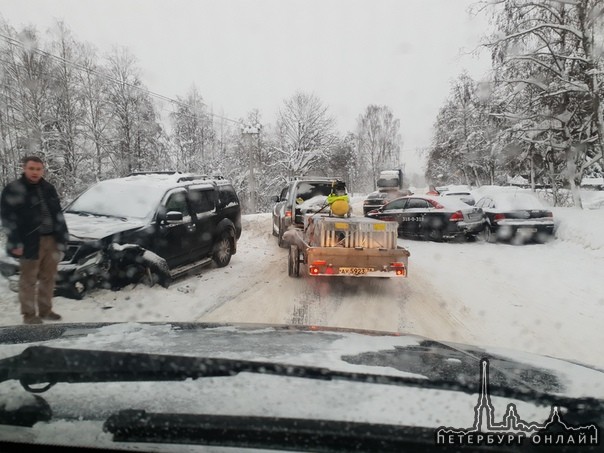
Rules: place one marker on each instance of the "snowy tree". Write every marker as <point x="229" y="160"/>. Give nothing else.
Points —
<point x="305" y="133"/>
<point x="136" y="129"/>
<point x="379" y="140"/>
<point x="193" y="133"/>
<point x="98" y="115"/>
<point x="547" y="50"/>
<point x="67" y="104"/>
<point x="28" y="93"/>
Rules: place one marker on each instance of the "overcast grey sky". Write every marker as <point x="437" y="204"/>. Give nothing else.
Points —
<point x="251" y="54"/>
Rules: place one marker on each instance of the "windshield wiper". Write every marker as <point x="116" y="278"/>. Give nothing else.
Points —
<point x="49" y="366"/>
<point x="295" y="434"/>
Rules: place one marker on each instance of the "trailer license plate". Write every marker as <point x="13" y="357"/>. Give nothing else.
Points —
<point x="355" y="270"/>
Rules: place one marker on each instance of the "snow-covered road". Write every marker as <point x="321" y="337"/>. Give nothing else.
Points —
<point x="547" y="298"/>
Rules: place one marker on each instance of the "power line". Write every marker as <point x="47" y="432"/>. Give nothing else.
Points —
<point x="107" y="77"/>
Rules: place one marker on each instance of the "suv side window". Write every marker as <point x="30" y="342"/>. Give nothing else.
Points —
<point x="283" y="195"/>
<point x="227" y="196"/>
<point x="177" y="201"/>
<point x="201" y="200"/>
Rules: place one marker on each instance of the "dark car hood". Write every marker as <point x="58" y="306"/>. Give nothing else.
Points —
<point x="336" y="349"/>
<point x="77" y="412"/>
<point x="97" y="227"/>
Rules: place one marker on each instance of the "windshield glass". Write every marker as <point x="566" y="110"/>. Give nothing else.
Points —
<point x="112" y="198"/>
<point x="247" y="223"/>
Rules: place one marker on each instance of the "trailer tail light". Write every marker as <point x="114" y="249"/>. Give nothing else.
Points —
<point x="319" y="263"/>
<point x="313" y="270"/>
<point x="499" y="217"/>
<point x="329" y="270"/>
<point x="399" y="268"/>
<point x="456" y="216"/>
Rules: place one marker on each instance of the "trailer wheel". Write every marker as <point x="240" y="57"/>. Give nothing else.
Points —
<point x="280" y="240"/>
<point x="293" y="268"/>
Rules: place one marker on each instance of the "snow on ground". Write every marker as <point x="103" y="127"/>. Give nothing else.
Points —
<point x="547" y="299"/>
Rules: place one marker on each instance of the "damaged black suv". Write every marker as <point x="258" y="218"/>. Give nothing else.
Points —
<point x="148" y="227"/>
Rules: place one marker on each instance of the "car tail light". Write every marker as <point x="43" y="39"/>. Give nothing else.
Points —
<point x="456" y="216"/>
<point x="499" y="217"/>
<point x="288" y="213"/>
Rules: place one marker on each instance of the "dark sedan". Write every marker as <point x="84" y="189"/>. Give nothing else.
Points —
<point x="379" y="198"/>
<point x="517" y="217"/>
<point x="432" y="218"/>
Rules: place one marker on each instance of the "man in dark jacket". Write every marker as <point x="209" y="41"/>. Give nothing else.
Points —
<point x="37" y="235"/>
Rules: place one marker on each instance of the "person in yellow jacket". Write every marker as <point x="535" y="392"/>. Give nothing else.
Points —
<point x="338" y="200"/>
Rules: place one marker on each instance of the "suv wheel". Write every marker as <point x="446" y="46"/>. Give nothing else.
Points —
<point x="223" y="250"/>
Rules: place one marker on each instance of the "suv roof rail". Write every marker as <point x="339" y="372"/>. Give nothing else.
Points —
<point x="137" y="173"/>
<point x="317" y="178"/>
<point x="198" y="177"/>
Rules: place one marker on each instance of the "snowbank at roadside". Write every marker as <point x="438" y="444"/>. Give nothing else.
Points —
<point x="584" y="227"/>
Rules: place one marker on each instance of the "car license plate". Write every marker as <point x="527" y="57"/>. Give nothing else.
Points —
<point x="527" y="230"/>
<point x="355" y="270"/>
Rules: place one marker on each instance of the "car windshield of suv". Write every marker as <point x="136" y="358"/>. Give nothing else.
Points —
<point x="118" y="199"/>
<point x="302" y="225"/>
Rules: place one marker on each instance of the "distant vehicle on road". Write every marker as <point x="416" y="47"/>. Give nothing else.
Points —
<point x="301" y="196"/>
<point x="462" y="193"/>
<point x="379" y="198"/>
<point x="434" y="218"/>
<point x="516" y="216"/>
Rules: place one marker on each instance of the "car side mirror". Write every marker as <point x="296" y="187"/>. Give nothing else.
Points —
<point x="173" y="217"/>
<point x="276" y="199"/>
<point x="170" y="217"/>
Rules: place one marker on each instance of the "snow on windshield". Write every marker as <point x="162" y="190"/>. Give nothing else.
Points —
<point x="119" y="199"/>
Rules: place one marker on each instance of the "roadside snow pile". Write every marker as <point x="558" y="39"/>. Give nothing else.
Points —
<point x="592" y="199"/>
<point x="580" y="226"/>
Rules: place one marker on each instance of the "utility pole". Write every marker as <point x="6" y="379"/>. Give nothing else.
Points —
<point x="250" y="131"/>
